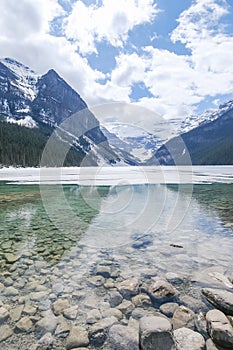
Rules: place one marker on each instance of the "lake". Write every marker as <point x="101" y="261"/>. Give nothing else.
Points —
<point x="55" y="235"/>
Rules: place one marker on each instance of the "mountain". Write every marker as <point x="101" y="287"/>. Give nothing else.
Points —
<point x="210" y="143"/>
<point x="194" y="121"/>
<point x="139" y="143"/>
<point x="33" y="101"/>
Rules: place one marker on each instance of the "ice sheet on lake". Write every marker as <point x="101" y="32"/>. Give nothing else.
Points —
<point x="118" y="176"/>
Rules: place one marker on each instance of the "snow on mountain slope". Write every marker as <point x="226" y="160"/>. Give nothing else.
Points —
<point x="194" y="121"/>
<point x="28" y="122"/>
<point x="26" y="78"/>
<point x="134" y="140"/>
<point x="31" y="100"/>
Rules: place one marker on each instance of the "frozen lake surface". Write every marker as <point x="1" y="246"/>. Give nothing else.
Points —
<point x="112" y="176"/>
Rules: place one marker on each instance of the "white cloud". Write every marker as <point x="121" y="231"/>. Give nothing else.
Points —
<point x="112" y="22"/>
<point x="180" y="82"/>
<point x="200" y="22"/>
<point x="25" y="36"/>
<point x="177" y="82"/>
<point x="21" y="19"/>
<point x="129" y="69"/>
<point x="200" y="30"/>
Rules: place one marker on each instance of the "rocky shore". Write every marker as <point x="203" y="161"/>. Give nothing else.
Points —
<point x="45" y="308"/>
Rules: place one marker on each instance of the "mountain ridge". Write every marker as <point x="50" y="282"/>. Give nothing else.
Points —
<point x="48" y="99"/>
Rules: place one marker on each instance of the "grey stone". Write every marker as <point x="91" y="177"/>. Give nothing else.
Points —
<point x="123" y="338"/>
<point x="112" y="312"/>
<point x="129" y="288"/>
<point x="71" y="312"/>
<point x="11" y="258"/>
<point x="141" y="300"/>
<point x="109" y="284"/>
<point x="126" y="307"/>
<point x="38" y="296"/>
<point x="77" y="338"/>
<point x="93" y="316"/>
<point x="57" y="288"/>
<point x="168" y="309"/>
<point x="183" y="317"/>
<point x="98" y="332"/>
<point x="16" y="312"/>
<point x="221" y="299"/>
<point x="192" y="303"/>
<point x="219" y="328"/>
<point x="8" y="282"/>
<point x="115" y="298"/>
<point x="24" y="325"/>
<point x="63" y="328"/>
<point x="173" y="278"/>
<point x="59" y="306"/>
<point x="104" y="271"/>
<point x="29" y="309"/>
<point x="4" y="314"/>
<point x="162" y="289"/>
<point x="11" y="292"/>
<point x="211" y="346"/>
<point x="5" y="332"/>
<point x="47" y="324"/>
<point x="96" y="281"/>
<point x="155" y="333"/>
<point x="139" y="312"/>
<point x="45" y="342"/>
<point x="186" y="338"/>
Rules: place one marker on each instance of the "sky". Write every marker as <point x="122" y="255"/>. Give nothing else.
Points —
<point x="172" y="57"/>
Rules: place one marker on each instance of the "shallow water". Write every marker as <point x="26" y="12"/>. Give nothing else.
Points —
<point x="132" y="228"/>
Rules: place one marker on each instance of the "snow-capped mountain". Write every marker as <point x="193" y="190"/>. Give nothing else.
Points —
<point x="194" y="121"/>
<point x="134" y="140"/>
<point x="29" y="99"/>
<point x="142" y="144"/>
<point x="209" y="143"/>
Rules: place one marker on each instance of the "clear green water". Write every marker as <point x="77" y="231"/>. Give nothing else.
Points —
<point x="110" y="220"/>
<point x="55" y="249"/>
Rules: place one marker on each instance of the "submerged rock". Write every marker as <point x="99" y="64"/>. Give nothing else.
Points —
<point x="24" y="325"/>
<point x="4" y="314"/>
<point x="155" y="333"/>
<point x="162" y="289"/>
<point x="183" y="317"/>
<point x="141" y="300"/>
<point x="123" y="338"/>
<point x="221" y="299"/>
<point x="47" y="324"/>
<point x="219" y="328"/>
<point x="210" y="345"/>
<point x="129" y="288"/>
<point x="168" y="309"/>
<point x="5" y="332"/>
<point x="186" y="338"/>
<point x="99" y="331"/>
<point x="11" y="258"/>
<point x="45" y="342"/>
<point x="11" y="292"/>
<point x="60" y="305"/>
<point x="115" y="298"/>
<point x="71" y="312"/>
<point x="77" y="338"/>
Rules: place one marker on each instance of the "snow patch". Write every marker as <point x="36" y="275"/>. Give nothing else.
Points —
<point x="26" y="78"/>
<point x="28" y="122"/>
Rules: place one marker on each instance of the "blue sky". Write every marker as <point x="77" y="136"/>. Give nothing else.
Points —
<point x="173" y="57"/>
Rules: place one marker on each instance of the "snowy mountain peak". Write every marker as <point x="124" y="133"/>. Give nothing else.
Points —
<point x="26" y="77"/>
<point x="208" y="116"/>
